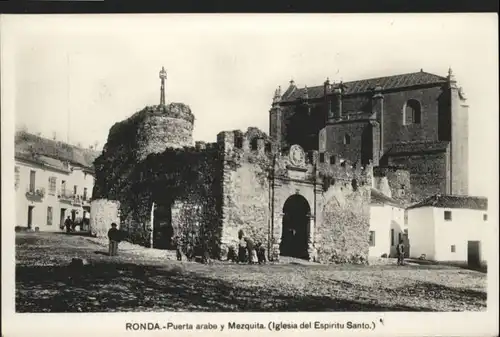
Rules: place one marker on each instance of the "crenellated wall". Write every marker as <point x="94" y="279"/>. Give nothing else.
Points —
<point x="258" y="182"/>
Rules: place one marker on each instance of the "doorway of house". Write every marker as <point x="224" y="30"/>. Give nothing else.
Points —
<point x="62" y="218"/>
<point x="474" y="253"/>
<point x="73" y="215"/>
<point x="295" y="232"/>
<point x="30" y="216"/>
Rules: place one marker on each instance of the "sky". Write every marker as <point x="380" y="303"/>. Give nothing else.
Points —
<point x="74" y="76"/>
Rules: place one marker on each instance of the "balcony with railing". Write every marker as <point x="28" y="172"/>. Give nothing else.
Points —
<point x="35" y="193"/>
<point x="86" y="200"/>
<point x="65" y="195"/>
<point x="77" y="200"/>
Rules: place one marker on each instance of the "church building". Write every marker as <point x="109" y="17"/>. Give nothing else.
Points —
<point x="416" y="121"/>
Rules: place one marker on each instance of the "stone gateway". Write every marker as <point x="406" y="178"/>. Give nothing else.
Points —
<point x="197" y="197"/>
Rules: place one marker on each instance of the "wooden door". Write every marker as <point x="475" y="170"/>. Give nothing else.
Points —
<point x="473" y="253"/>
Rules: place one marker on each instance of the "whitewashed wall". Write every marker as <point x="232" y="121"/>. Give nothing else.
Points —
<point x="77" y="177"/>
<point x="383" y="218"/>
<point x="103" y="213"/>
<point x="421" y="232"/>
<point x="465" y="225"/>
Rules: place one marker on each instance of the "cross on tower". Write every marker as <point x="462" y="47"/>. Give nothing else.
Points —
<point x="163" y="76"/>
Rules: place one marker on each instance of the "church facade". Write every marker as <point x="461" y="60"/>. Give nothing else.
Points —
<point x="416" y="122"/>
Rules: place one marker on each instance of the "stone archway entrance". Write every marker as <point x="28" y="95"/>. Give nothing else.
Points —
<point x="295" y="230"/>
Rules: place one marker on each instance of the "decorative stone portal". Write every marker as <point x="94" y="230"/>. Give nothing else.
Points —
<point x="295" y="227"/>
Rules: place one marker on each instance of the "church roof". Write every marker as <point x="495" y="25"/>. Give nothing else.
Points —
<point x="453" y="201"/>
<point x="366" y="85"/>
<point x="52" y="153"/>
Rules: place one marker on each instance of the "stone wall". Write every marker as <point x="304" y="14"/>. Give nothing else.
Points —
<point x="360" y="146"/>
<point x="342" y="227"/>
<point x="246" y="204"/>
<point x="164" y="127"/>
<point x="428" y="172"/>
<point x="103" y="213"/>
<point x="256" y="187"/>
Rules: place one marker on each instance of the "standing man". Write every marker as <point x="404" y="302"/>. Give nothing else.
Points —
<point x="113" y="235"/>
<point x="68" y="223"/>
<point x="401" y="252"/>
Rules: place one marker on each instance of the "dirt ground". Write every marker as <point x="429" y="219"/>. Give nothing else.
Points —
<point x="142" y="279"/>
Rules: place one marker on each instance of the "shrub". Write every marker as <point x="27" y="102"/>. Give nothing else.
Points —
<point x="384" y="255"/>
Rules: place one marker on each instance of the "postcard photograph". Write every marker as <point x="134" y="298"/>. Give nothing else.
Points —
<point x="244" y="163"/>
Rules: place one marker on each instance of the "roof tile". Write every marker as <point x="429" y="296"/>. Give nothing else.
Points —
<point x="362" y="86"/>
<point x="453" y="201"/>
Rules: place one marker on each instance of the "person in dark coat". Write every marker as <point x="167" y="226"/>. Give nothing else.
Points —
<point x="68" y="224"/>
<point x="261" y="253"/>
<point x="400" y="249"/>
<point x="242" y="248"/>
<point x="114" y="239"/>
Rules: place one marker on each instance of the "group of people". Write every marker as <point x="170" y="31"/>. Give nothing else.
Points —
<point x="69" y="224"/>
<point x="248" y="252"/>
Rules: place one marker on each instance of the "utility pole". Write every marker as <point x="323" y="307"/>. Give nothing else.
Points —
<point x="69" y="101"/>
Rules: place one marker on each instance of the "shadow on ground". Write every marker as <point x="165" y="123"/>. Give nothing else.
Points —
<point x="481" y="268"/>
<point x="105" y="286"/>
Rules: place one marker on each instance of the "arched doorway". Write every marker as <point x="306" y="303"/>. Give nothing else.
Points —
<point x="295" y="230"/>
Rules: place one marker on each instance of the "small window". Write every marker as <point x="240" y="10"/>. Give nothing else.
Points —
<point x="85" y="193"/>
<point x="347" y="139"/>
<point x="392" y="237"/>
<point x="485" y="217"/>
<point x="75" y="190"/>
<point x="447" y="215"/>
<point x="406" y="218"/>
<point x="333" y="159"/>
<point x="372" y="238"/>
<point x="32" y="180"/>
<point x="52" y="185"/>
<point x="321" y="157"/>
<point x="453" y="248"/>
<point x="267" y="147"/>
<point x="412" y="112"/>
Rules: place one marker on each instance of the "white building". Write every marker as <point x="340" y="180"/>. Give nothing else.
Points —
<point x="53" y="180"/>
<point x="448" y="228"/>
<point x="387" y="224"/>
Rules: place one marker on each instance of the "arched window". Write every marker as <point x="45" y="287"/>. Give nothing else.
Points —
<point x="412" y="112"/>
<point x="347" y="139"/>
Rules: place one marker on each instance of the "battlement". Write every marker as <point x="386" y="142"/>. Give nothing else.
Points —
<point x="253" y="141"/>
<point x="255" y="146"/>
<point x="172" y="110"/>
